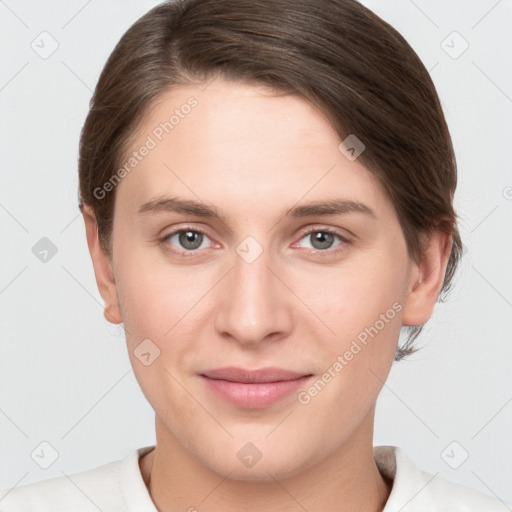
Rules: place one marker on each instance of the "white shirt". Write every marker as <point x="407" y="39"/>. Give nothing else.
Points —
<point x="119" y="487"/>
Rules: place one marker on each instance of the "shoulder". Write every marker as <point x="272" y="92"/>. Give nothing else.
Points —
<point x="416" y="491"/>
<point x="101" y="488"/>
<point x="80" y="492"/>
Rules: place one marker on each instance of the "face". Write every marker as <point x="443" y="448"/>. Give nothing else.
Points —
<point x="312" y="297"/>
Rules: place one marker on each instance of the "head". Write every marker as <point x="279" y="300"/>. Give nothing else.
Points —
<point x="227" y="120"/>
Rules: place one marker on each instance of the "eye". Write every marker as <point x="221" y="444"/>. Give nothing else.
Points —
<point x="322" y="239"/>
<point x="186" y="240"/>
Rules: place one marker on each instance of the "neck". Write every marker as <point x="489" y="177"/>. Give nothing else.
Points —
<point x="347" y="480"/>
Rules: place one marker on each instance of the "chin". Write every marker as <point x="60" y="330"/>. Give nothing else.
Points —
<point x="272" y="464"/>
<point x="263" y="473"/>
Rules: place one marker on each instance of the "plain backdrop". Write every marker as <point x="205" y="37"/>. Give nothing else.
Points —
<point x="66" y="379"/>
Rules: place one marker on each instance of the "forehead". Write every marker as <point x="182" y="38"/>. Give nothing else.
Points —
<point x="245" y="113"/>
<point x="234" y="141"/>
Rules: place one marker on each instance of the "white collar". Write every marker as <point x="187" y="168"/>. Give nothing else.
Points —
<point x="413" y="490"/>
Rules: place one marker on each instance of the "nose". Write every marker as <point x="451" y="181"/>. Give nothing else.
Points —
<point x="254" y="305"/>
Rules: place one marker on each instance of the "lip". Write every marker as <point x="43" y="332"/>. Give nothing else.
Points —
<point x="253" y="389"/>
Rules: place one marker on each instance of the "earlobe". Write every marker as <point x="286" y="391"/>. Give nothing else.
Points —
<point x="102" y="267"/>
<point x="427" y="279"/>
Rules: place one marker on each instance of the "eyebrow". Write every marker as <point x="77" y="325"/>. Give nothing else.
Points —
<point x="199" y="209"/>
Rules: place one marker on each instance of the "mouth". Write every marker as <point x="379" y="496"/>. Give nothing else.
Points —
<point x="253" y="389"/>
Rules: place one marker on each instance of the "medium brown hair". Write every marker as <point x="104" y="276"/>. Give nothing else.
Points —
<point x="337" y="54"/>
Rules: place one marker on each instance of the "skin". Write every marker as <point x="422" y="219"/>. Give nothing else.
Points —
<point x="255" y="154"/>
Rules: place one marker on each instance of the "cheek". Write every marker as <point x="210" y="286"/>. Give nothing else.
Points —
<point x="355" y="295"/>
<point x="157" y="305"/>
<point x="155" y="296"/>
<point x="362" y="305"/>
<point x="363" y="308"/>
<point x="166" y="305"/>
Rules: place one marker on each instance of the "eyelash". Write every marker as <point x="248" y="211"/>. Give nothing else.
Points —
<point x="191" y="253"/>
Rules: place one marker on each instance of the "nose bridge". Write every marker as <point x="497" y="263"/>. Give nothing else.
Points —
<point x="253" y="305"/>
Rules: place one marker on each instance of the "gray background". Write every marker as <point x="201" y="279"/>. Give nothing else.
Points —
<point x="65" y="374"/>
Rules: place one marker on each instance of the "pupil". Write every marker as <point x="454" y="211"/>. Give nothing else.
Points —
<point x="324" y="240"/>
<point x="187" y="239"/>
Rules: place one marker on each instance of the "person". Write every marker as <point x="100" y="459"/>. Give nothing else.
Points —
<point x="267" y="190"/>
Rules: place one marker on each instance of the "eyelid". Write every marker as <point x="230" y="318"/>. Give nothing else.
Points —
<point x="342" y="233"/>
<point x="331" y="251"/>
<point x="163" y="238"/>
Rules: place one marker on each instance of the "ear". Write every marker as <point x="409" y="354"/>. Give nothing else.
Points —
<point x="102" y="267"/>
<point x="427" y="278"/>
